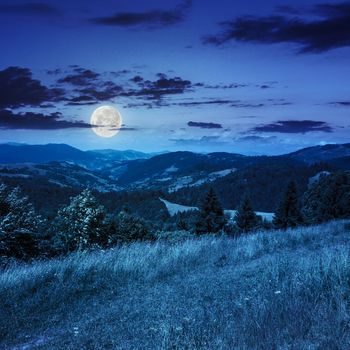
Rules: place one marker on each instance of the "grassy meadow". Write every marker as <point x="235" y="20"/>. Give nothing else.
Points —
<point x="269" y="290"/>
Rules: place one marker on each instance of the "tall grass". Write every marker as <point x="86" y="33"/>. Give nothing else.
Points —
<point x="270" y="290"/>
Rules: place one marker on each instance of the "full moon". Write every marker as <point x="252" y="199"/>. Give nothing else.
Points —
<point x="106" y="121"/>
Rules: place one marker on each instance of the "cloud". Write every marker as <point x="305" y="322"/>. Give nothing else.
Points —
<point x="328" y="29"/>
<point x="204" y="125"/>
<point x="333" y="10"/>
<point x="167" y="103"/>
<point x="37" y="121"/>
<point x="279" y="102"/>
<point x="32" y="8"/>
<point x="294" y="127"/>
<point x="18" y="89"/>
<point x="88" y="87"/>
<point x="218" y="102"/>
<point x="137" y="79"/>
<point x="105" y="92"/>
<point x="147" y="20"/>
<point x="240" y="104"/>
<point x="200" y="103"/>
<point x="256" y="139"/>
<point x="340" y="103"/>
<point x="80" y="77"/>
<point x="203" y="141"/>
<point x="157" y="89"/>
<point x="222" y="86"/>
<point x="288" y="10"/>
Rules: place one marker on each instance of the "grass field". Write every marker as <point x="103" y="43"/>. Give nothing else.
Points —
<point x="270" y="290"/>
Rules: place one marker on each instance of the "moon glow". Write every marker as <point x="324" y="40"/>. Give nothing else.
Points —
<point x="106" y="121"/>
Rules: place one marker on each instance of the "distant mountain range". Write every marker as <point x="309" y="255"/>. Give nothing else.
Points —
<point x="322" y="153"/>
<point x="181" y="176"/>
<point x="22" y="153"/>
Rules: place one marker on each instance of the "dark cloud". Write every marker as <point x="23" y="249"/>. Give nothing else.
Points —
<point x="294" y="127"/>
<point x="37" y="121"/>
<point x="330" y="29"/>
<point x="203" y="141"/>
<point x="256" y="139"/>
<point x="103" y="92"/>
<point x="80" y="77"/>
<point x="223" y="86"/>
<point x="137" y="79"/>
<point x="164" y="103"/>
<point x="148" y="105"/>
<point x="204" y="125"/>
<point x="218" y="102"/>
<point x="56" y="71"/>
<point x="338" y="10"/>
<point x="32" y="8"/>
<point x="18" y="89"/>
<point x="81" y="100"/>
<point x="88" y="87"/>
<point x="279" y="102"/>
<point x="157" y="89"/>
<point x="240" y="104"/>
<point x="341" y="103"/>
<point x="288" y="10"/>
<point x="201" y="103"/>
<point x="149" y="20"/>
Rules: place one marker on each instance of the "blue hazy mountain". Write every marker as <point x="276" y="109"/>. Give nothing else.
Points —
<point x="22" y="153"/>
<point x="63" y="171"/>
<point x="322" y="153"/>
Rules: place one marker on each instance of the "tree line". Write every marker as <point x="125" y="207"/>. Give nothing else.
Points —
<point x="326" y="199"/>
<point x="81" y="225"/>
<point x="85" y="224"/>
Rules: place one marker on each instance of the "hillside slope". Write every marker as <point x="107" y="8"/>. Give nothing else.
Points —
<point x="264" y="291"/>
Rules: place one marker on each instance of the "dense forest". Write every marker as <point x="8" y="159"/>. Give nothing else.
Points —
<point x="93" y="220"/>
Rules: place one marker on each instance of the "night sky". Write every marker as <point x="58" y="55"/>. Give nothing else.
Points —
<point x="252" y="77"/>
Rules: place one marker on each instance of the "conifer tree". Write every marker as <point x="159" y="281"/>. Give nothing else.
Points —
<point x="127" y="228"/>
<point x="245" y="219"/>
<point x="4" y="205"/>
<point x="211" y="218"/>
<point x="288" y="213"/>
<point x="328" y="198"/>
<point x="20" y="226"/>
<point x="80" y="225"/>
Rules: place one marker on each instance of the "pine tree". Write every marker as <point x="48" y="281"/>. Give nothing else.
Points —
<point x="4" y="205"/>
<point x="288" y="213"/>
<point x="20" y="226"/>
<point x="328" y="198"/>
<point x="21" y="214"/>
<point x="245" y="219"/>
<point x="127" y="228"/>
<point x="211" y="218"/>
<point x="80" y="225"/>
